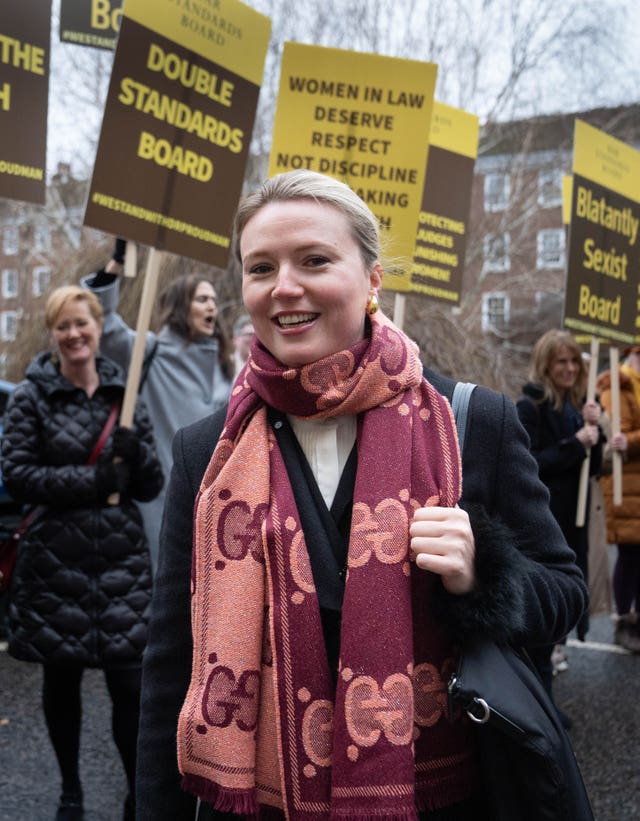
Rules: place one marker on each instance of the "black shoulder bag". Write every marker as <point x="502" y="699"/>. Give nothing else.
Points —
<point x="528" y="766"/>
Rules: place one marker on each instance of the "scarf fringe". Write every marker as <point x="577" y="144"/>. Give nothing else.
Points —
<point x="239" y="802"/>
<point x="409" y="815"/>
<point x="436" y="797"/>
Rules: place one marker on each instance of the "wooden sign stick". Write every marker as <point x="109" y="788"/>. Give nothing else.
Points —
<point x="614" y="363"/>
<point x="130" y="259"/>
<point x="398" y="309"/>
<point x="583" y="487"/>
<point x="137" y="354"/>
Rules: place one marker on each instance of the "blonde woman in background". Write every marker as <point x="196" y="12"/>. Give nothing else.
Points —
<point x="562" y="428"/>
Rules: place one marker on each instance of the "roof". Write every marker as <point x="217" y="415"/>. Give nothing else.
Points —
<point x="555" y="131"/>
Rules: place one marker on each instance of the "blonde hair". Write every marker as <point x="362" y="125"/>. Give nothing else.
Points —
<point x="62" y="296"/>
<point x="309" y="185"/>
<point x="544" y="352"/>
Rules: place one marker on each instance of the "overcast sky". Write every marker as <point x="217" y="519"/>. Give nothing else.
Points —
<point x="71" y="124"/>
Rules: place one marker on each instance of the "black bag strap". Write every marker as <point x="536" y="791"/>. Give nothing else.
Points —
<point x="460" y="407"/>
<point x="146" y="364"/>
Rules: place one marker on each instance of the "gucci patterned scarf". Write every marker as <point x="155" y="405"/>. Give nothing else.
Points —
<point x="261" y="727"/>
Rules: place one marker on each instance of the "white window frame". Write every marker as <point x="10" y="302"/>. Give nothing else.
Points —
<point x="550" y="249"/>
<point x="8" y="325"/>
<point x="493" y="263"/>
<point x="10" y="283"/>
<point x="10" y="239"/>
<point x="549" y="188"/>
<point x="488" y="315"/>
<point x="41" y="237"/>
<point x="40" y="279"/>
<point x="497" y="191"/>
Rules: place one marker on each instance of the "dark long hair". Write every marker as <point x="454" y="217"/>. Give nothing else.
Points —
<point x="175" y="307"/>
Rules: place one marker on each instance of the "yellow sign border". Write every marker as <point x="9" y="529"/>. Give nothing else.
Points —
<point x="606" y="160"/>
<point x="240" y="35"/>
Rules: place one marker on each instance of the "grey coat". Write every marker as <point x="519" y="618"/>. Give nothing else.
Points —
<point x="184" y="383"/>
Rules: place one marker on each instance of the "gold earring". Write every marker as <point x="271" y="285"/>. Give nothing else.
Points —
<point x="372" y="304"/>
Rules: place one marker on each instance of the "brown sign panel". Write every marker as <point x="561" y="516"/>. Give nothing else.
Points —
<point x="90" y="22"/>
<point x="441" y="241"/>
<point x="25" y="34"/>
<point x="173" y="147"/>
<point x="604" y="264"/>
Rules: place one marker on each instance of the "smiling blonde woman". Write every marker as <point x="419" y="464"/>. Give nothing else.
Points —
<point x="319" y="561"/>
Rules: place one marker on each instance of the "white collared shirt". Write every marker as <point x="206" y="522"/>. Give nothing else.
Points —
<point x="327" y="444"/>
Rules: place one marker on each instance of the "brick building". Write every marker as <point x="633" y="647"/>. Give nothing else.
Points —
<point x="515" y="266"/>
<point x="34" y="241"/>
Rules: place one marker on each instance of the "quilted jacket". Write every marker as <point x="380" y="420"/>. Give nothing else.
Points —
<point x="81" y="588"/>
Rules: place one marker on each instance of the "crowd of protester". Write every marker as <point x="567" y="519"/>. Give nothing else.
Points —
<point x="288" y="507"/>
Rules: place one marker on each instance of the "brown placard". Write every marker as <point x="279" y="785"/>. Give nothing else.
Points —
<point x="603" y="263"/>
<point x="25" y="36"/>
<point x="94" y="23"/>
<point x="441" y="241"/>
<point x="172" y="152"/>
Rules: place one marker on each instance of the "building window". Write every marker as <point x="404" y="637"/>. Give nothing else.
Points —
<point x="41" y="237"/>
<point x="8" y="325"/>
<point x="497" y="190"/>
<point x="4" y="362"/>
<point x="9" y="283"/>
<point x="549" y="188"/>
<point x="496" y="253"/>
<point x="550" y="248"/>
<point x="10" y="239"/>
<point x="41" y="277"/>
<point x="495" y="311"/>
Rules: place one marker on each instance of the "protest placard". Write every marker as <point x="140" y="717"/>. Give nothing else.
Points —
<point x="441" y="239"/>
<point x="25" y="35"/>
<point x="93" y="23"/>
<point x="603" y="267"/>
<point x="177" y="125"/>
<point x="364" y="119"/>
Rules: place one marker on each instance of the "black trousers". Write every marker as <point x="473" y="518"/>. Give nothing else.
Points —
<point x="62" y="704"/>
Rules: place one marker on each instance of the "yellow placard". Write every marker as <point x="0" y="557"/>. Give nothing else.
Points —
<point x="364" y="119"/>
<point x="603" y="265"/>
<point x="228" y="32"/>
<point x="455" y="129"/>
<point x="606" y="161"/>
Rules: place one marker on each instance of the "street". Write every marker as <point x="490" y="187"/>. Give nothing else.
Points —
<point x="598" y="691"/>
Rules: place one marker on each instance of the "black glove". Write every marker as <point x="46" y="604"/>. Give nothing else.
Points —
<point x="101" y="278"/>
<point x="126" y="445"/>
<point x="112" y="477"/>
<point x="119" y="250"/>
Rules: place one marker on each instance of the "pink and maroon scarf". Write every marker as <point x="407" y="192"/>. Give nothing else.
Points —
<point x="261" y="727"/>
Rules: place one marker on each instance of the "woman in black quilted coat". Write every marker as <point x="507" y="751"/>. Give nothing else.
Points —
<point x="81" y="588"/>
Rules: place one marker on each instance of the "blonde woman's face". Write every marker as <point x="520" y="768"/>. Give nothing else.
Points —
<point x="75" y="333"/>
<point x="304" y="283"/>
<point x="564" y="369"/>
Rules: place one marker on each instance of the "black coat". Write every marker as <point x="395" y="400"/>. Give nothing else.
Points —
<point x="559" y="455"/>
<point x="529" y="589"/>
<point x="81" y="588"/>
